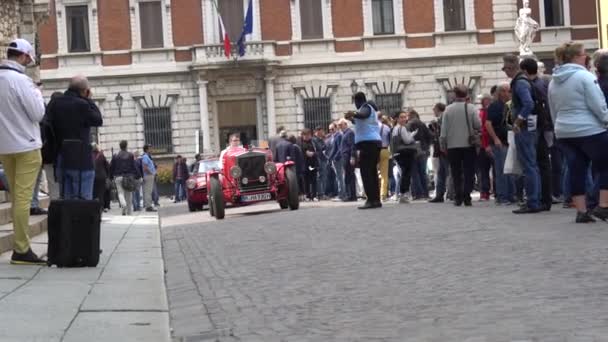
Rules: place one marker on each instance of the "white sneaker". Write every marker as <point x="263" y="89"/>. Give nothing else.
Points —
<point x="403" y="199"/>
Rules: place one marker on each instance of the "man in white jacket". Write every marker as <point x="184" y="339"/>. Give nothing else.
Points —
<point x="21" y="110"/>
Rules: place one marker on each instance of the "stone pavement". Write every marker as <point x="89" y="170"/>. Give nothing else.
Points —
<point x="123" y="299"/>
<point x="417" y="272"/>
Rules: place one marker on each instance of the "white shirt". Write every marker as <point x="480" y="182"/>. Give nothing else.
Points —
<point x="221" y="163"/>
<point x="21" y="110"/>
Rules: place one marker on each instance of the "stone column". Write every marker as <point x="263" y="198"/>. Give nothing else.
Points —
<point x="204" y="115"/>
<point x="272" y="120"/>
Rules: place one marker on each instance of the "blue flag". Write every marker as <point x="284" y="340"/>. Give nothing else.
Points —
<point x="247" y="28"/>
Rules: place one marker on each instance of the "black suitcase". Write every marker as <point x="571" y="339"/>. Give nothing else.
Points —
<point x="74" y="231"/>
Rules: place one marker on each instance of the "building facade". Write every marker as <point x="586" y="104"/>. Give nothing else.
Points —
<point x="160" y="76"/>
<point x="21" y="18"/>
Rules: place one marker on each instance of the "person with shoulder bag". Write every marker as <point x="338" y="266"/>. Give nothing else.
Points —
<point x="404" y="151"/>
<point x="102" y="171"/>
<point x="124" y="171"/>
<point x="460" y="139"/>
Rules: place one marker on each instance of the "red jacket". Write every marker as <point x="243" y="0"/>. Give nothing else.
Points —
<point x="485" y="138"/>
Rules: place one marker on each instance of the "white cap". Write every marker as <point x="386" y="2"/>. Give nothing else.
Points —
<point x="23" y="46"/>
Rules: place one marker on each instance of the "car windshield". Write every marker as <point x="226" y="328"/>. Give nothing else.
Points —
<point x="208" y="165"/>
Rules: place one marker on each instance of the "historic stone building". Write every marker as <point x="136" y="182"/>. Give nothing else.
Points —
<point x="20" y="18"/>
<point x="159" y="72"/>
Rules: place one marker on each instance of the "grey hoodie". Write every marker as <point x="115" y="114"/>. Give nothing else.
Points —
<point x="578" y="106"/>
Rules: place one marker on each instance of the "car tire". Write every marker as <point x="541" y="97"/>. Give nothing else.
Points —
<point x="293" y="191"/>
<point x="192" y="207"/>
<point x="217" y="195"/>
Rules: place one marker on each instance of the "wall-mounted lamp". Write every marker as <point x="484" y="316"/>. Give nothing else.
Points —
<point x="354" y="86"/>
<point x="118" y="100"/>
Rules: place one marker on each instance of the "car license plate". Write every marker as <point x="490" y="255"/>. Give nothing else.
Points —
<point x="256" y="197"/>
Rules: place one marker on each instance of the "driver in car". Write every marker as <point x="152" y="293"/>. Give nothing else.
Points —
<point x="234" y="141"/>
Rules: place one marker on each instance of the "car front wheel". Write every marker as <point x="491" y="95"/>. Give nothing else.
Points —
<point x="217" y="199"/>
<point x="293" y="198"/>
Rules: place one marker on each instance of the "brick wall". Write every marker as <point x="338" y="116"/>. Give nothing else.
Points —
<point x="187" y="20"/>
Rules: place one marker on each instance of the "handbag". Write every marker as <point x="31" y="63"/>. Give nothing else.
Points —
<point x="512" y="164"/>
<point x="474" y="138"/>
<point x="129" y="183"/>
<point x="398" y="145"/>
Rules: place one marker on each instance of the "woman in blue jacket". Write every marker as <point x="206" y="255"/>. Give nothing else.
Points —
<point x="580" y="115"/>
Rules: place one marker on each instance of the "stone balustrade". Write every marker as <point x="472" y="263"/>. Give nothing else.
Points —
<point x="254" y="52"/>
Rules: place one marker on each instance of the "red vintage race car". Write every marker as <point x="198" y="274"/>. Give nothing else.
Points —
<point x="250" y="176"/>
<point x="196" y="185"/>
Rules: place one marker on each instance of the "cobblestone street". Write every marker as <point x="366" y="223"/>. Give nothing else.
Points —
<point x="416" y="272"/>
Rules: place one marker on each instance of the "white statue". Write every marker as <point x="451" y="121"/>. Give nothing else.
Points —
<point x="525" y="29"/>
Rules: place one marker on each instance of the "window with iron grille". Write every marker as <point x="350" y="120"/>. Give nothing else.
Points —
<point x="389" y="104"/>
<point x="554" y="13"/>
<point x="384" y="21"/>
<point x="151" y="24"/>
<point x="311" y="19"/>
<point x="317" y="112"/>
<point x="453" y="15"/>
<point x="77" y="25"/>
<point x="157" y="129"/>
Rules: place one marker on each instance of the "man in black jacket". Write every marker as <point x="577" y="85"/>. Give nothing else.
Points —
<point x="312" y="164"/>
<point x="71" y="118"/>
<point x="124" y="166"/>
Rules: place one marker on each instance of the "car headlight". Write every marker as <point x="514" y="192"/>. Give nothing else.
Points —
<point x="270" y="168"/>
<point x="262" y="179"/>
<point x="191" y="184"/>
<point x="245" y="180"/>
<point x="236" y="172"/>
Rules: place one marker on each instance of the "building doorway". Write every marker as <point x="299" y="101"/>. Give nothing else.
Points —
<point x="239" y="116"/>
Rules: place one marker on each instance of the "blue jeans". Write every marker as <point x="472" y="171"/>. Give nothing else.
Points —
<point x="180" y="188"/>
<point x="339" y="169"/>
<point x="419" y="177"/>
<point x="591" y="185"/>
<point x="35" y="201"/>
<point x="526" y="142"/>
<point x="441" y="177"/>
<point x="505" y="184"/>
<point x="73" y="180"/>
<point x="137" y="199"/>
<point x="321" y="177"/>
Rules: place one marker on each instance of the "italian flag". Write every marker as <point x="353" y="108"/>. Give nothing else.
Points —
<point x="227" y="43"/>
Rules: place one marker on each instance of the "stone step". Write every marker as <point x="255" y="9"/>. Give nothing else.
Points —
<point x="38" y="225"/>
<point x="5" y="210"/>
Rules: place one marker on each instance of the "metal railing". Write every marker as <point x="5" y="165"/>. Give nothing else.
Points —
<point x="157" y="129"/>
<point x="389" y="103"/>
<point x="317" y="112"/>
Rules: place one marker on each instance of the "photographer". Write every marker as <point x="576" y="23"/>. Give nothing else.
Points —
<point x="71" y="117"/>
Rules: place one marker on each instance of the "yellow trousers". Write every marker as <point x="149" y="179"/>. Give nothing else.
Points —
<point x="21" y="171"/>
<point x="383" y="172"/>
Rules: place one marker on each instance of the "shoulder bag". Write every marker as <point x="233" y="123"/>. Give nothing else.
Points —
<point x="474" y="138"/>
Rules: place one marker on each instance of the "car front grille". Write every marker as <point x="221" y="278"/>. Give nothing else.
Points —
<point x="252" y="166"/>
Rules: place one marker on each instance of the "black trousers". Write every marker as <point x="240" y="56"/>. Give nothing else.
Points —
<point x="544" y="165"/>
<point x="350" y="181"/>
<point x="310" y="179"/>
<point x="556" y="170"/>
<point x="369" y="155"/>
<point x="405" y="160"/>
<point x="462" y="166"/>
<point x="99" y="191"/>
